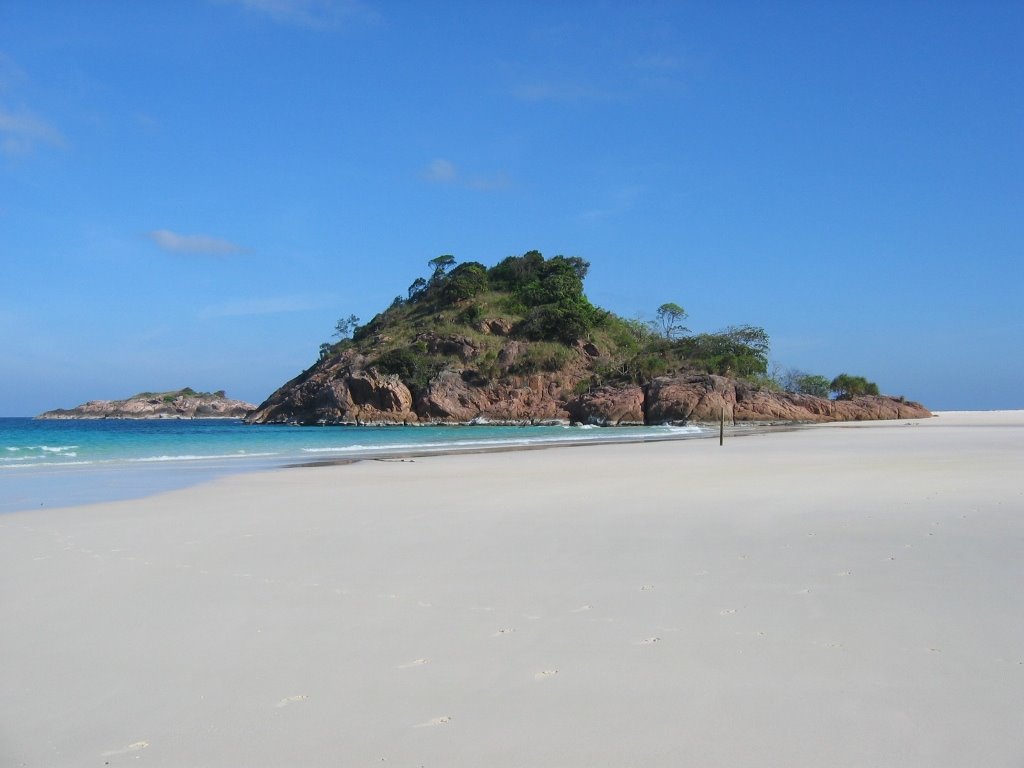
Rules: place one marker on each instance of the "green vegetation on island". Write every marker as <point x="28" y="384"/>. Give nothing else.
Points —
<point x="542" y="303"/>
<point x="170" y="397"/>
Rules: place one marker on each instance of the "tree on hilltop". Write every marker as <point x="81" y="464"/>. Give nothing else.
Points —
<point x="440" y="264"/>
<point x="670" y="320"/>
<point x="346" y="326"/>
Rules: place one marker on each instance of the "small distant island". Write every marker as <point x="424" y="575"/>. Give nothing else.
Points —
<point x="180" y="404"/>
<point x="520" y="343"/>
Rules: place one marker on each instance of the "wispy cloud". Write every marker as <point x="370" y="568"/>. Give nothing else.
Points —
<point x="199" y="245"/>
<point x="659" y="62"/>
<point x="21" y="133"/>
<point x="663" y="73"/>
<point x="619" y="202"/>
<point x="441" y="171"/>
<point x="271" y="305"/>
<point x="563" y="93"/>
<point x="308" y="13"/>
<point x="21" y="130"/>
<point x="619" y="80"/>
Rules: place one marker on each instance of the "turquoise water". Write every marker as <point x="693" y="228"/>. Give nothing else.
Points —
<point x="58" y="463"/>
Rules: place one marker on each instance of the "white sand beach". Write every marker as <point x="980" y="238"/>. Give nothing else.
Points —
<point x="844" y="595"/>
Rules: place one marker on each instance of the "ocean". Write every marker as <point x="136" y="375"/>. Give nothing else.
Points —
<point x="50" y="463"/>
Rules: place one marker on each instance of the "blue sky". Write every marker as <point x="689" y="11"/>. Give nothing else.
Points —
<point x="192" y="193"/>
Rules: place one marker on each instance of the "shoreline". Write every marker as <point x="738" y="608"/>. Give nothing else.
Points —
<point x="145" y="479"/>
<point x="412" y="453"/>
<point x="57" y="485"/>
<point x="830" y="596"/>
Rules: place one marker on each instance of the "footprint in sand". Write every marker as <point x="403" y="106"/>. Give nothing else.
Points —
<point x="443" y="720"/>
<point x="545" y="674"/>
<point x="126" y="750"/>
<point x="413" y="663"/>
<point x="291" y="700"/>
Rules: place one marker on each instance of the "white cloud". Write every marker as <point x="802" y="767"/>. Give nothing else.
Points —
<point x="21" y="133"/>
<point x="307" y="13"/>
<point x="273" y="305"/>
<point x="441" y="171"/>
<point x="203" y="245"/>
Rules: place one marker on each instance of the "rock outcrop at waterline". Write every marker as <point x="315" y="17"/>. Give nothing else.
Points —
<point x="343" y="391"/>
<point x="181" y="404"/>
<point x="702" y="397"/>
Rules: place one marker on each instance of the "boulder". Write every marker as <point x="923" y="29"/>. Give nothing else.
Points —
<point x="457" y="346"/>
<point x="496" y="326"/>
<point x="690" y="397"/>
<point x="509" y="354"/>
<point x="609" y="407"/>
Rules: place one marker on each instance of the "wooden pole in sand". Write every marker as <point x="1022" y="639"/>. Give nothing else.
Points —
<point x="721" y="428"/>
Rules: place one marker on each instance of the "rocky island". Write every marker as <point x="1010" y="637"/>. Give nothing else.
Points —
<point x="520" y="343"/>
<point x="181" y="404"/>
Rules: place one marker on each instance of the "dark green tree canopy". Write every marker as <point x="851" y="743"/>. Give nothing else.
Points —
<point x="440" y="264"/>
<point x="512" y="273"/>
<point x="464" y="282"/>
<point x="846" y="386"/>
<point x="740" y="351"/>
<point x="416" y="290"/>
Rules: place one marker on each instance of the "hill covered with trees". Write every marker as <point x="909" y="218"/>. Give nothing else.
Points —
<point x="520" y="342"/>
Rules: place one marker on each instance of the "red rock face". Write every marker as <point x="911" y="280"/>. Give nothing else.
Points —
<point x="345" y="391"/>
